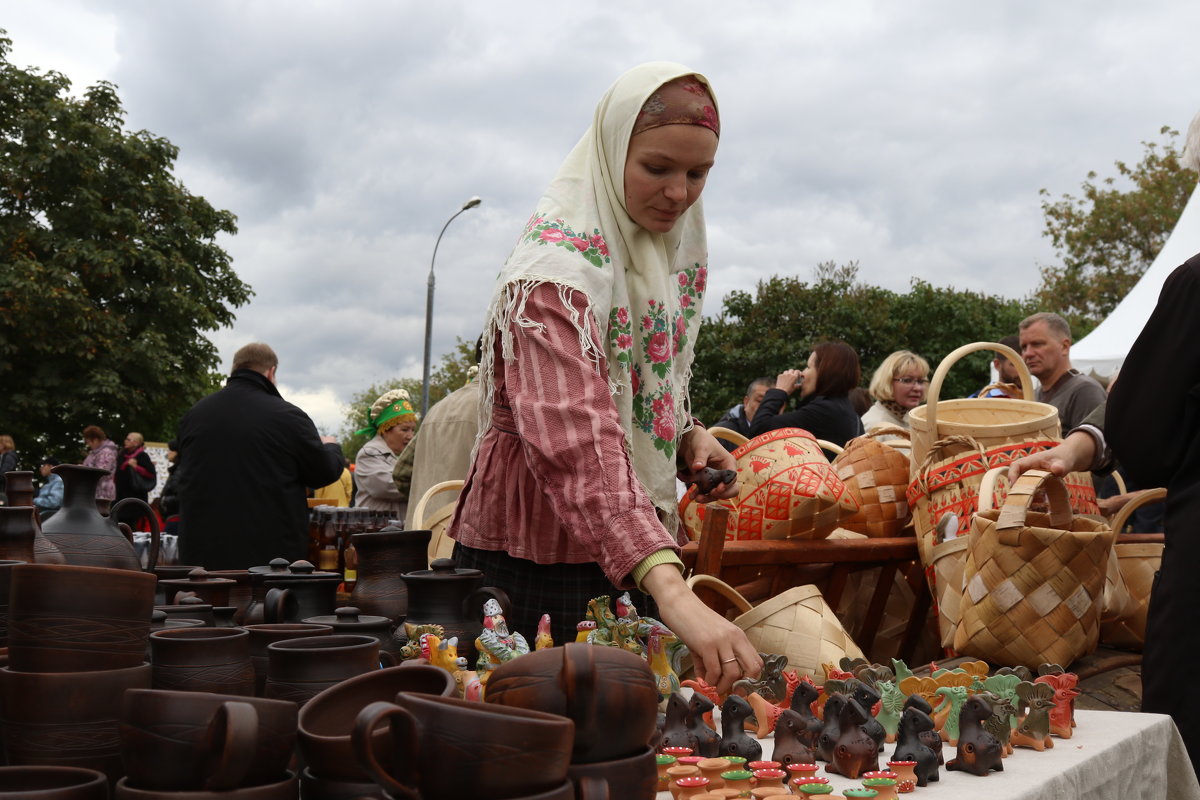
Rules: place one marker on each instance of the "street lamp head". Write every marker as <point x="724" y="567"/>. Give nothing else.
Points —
<point x="474" y="201"/>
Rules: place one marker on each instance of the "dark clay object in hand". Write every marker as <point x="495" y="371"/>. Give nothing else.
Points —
<point x="708" y="479"/>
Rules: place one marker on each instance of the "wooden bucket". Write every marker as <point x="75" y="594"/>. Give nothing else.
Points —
<point x="797" y="623"/>
<point x="877" y="476"/>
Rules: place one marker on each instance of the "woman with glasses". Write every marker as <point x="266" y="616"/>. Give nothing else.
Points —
<point x="824" y="409"/>
<point x="898" y="386"/>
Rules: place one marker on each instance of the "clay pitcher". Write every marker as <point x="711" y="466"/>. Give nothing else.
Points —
<point x="16" y="525"/>
<point x="453" y="598"/>
<point x="86" y="537"/>
<point x="383" y="557"/>
<point x="300" y="594"/>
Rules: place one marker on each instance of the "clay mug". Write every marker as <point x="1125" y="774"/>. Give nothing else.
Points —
<point x="348" y="619"/>
<point x="67" y="718"/>
<point x="633" y="776"/>
<point x="299" y="669"/>
<point x="610" y="694"/>
<point x="314" y="788"/>
<point x="326" y="722"/>
<point x="303" y="592"/>
<point x="53" y="783"/>
<point x="203" y="660"/>
<point x="449" y="747"/>
<point x="263" y="634"/>
<point x="187" y="741"/>
<point x="75" y="619"/>
<point x="5" y="577"/>
<point x="287" y="789"/>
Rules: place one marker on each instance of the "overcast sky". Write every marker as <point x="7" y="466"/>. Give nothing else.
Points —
<point x="911" y="137"/>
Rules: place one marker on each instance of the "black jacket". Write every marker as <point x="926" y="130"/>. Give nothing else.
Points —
<point x="246" y="457"/>
<point x="830" y="418"/>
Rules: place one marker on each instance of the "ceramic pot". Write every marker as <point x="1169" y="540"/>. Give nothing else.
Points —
<point x="169" y="572"/>
<point x="68" y="719"/>
<point x="300" y="594"/>
<point x="5" y="579"/>
<point x="189" y="741"/>
<point x="71" y="619"/>
<point x="453" y="598"/>
<point x="262" y="635"/>
<point x="53" y="783"/>
<point x="283" y="790"/>
<point x="691" y="786"/>
<point x="513" y="752"/>
<point x="299" y="669"/>
<point x="326" y="721"/>
<point x="594" y="686"/>
<point x="712" y="768"/>
<point x="383" y="557"/>
<point x="203" y="660"/>
<point x="347" y="619"/>
<point x="209" y="588"/>
<point x="190" y="608"/>
<point x="633" y="777"/>
<point x="241" y="594"/>
<point x="679" y="772"/>
<point x="86" y="537"/>
<point x="21" y="537"/>
<point x="314" y="788"/>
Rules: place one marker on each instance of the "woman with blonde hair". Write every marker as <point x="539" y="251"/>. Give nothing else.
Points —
<point x="898" y="386"/>
<point x="393" y="422"/>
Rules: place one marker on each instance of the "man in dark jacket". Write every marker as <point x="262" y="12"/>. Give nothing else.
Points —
<point x="738" y="418"/>
<point x="246" y="457"/>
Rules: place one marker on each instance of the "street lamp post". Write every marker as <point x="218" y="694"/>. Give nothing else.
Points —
<point x="474" y="201"/>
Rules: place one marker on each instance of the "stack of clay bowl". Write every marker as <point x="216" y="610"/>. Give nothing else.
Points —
<point x="77" y="642"/>
<point x="610" y="695"/>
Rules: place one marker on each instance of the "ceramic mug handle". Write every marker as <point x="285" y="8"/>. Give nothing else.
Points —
<point x="579" y="682"/>
<point x="275" y="605"/>
<point x="592" y="788"/>
<point x="233" y="742"/>
<point x="401" y="719"/>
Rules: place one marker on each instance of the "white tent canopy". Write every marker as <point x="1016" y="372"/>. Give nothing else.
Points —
<point x="1103" y="350"/>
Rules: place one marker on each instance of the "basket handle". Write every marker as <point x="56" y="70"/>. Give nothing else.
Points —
<point x="987" y="486"/>
<point x="1142" y="498"/>
<point x="935" y="454"/>
<point x="836" y="449"/>
<point x="1012" y="514"/>
<point x="939" y="375"/>
<point x="733" y="437"/>
<point x="722" y="588"/>
<point x="887" y="430"/>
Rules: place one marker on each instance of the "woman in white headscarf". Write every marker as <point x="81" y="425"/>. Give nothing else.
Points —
<point x="587" y="354"/>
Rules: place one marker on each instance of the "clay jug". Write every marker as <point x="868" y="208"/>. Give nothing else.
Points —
<point x="209" y="587"/>
<point x="453" y="598"/>
<point x="86" y="537"/>
<point x="301" y="593"/>
<point x="383" y="557"/>
<point x="20" y="495"/>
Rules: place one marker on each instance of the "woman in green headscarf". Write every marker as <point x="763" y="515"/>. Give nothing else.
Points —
<point x="394" y="423"/>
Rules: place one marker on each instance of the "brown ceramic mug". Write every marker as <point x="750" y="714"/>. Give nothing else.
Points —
<point x="314" y="788"/>
<point x="635" y="776"/>
<point x="66" y="618"/>
<point x="449" y="747"/>
<point x="5" y="576"/>
<point x="52" y="783"/>
<point x="189" y="741"/>
<point x="67" y="718"/>
<point x="263" y="634"/>
<point x="300" y="669"/>
<point x="203" y="660"/>
<point x="282" y="790"/>
<point x="326" y="722"/>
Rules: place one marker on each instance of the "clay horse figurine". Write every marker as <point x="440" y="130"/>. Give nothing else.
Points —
<point x="707" y="741"/>
<point x="910" y="745"/>
<point x="855" y="751"/>
<point x="979" y="752"/>
<point x="734" y="739"/>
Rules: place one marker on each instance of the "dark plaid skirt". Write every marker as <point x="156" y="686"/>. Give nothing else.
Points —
<point x="560" y="590"/>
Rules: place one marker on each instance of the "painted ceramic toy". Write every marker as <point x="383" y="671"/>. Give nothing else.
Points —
<point x="931" y="738"/>
<point x="543" y="640"/>
<point x="979" y="752"/>
<point x="771" y="684"/>
<point x="734" y="739"/>
<point x="891" y="705"/>
<point x="675" y="731"/>
<point x="914" y="724"/>
<point x="707" y="741"/>
<point x="1033" y="729"/>
<point x="946" y="713"/>
<point x="1062" y="716"/>
<point x="792" y="739"/>
<point x="496" y="644"/>
<point x="1002" y="721"/>
<point x="855" y="750"/>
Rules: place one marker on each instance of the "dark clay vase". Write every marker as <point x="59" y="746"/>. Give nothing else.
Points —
<point x="21" y="537"/>
<point x="383" y="557"/>
<point x="87" y="538"/>
<point x="453" y="598"/>
<point x="303" y="592"/>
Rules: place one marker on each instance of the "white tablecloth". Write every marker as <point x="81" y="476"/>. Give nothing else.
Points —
<point x="1113" y="755"/>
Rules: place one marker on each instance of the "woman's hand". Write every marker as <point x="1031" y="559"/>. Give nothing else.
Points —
<point x="788" y="380"/>
<point x="720" y="650"/>
<point x="1073" y="454"/>
<point x="699" y="449"/>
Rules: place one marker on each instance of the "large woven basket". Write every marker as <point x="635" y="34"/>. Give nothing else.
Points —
<point x="1033" y="582"/>
<point x="788" y="490"/>
<point x="1137" y="562"/>
<point x="797" y="623"/>
<point x="877" y="476"/>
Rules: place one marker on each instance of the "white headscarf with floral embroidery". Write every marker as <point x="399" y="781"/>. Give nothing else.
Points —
<point x="644" y="289"/>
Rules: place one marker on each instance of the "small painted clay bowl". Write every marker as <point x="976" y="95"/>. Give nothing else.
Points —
<point x="849" y="793"/>
<point x="814" y="789"/>
<point x="879" y="773"/>
<point x="677" y="751"/>
<point x="803" y="770"/>
<point x="769" y="777"/>
<point x="754" y="766"/>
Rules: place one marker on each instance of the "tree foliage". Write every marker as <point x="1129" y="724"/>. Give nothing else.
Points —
<point x="773" y="330"/>
<point x="1109" y="236"/>
<point x="109" y="271"/>
<point x="452" y="373"/>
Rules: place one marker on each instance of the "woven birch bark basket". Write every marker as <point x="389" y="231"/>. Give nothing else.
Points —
<point x="877" y="476"/>
<point x="1033" y="582"/>
<point x="1137" y="563"/>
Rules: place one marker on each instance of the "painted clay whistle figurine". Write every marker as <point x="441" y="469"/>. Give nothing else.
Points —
<point x="979" y="752"/>
<point x="855" y="751"/>
<point x="708" y="479"/>
<point x="910" y="745"/>
<point x="734" y="739"/>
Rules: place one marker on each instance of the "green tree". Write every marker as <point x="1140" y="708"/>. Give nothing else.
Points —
<point x="1109" y="236"/>
<point x="109" y="271"/>
<point x="449" y="375"/>
<point x="763" y="334"/>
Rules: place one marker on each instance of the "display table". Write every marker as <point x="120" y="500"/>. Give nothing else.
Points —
<point x="1113" y="755"/>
